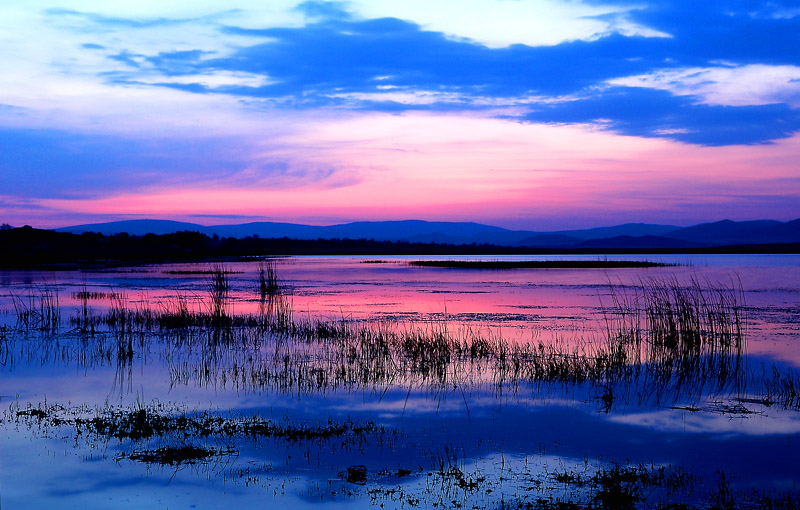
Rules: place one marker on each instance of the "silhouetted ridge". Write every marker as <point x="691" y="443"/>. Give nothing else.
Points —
<point x="627" y="236"/>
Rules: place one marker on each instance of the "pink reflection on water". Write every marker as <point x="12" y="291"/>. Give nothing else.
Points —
<point x="518" y="305"/>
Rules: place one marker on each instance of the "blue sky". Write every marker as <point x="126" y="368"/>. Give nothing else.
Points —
<point x="527" y="114"/>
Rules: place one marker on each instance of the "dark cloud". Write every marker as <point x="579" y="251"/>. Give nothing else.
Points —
<point x="725" y="30"/>
<point x="367" y="56"/>
<point x="657" y="113"/>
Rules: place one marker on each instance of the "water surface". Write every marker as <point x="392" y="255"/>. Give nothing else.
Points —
<point x="509" y="441"/>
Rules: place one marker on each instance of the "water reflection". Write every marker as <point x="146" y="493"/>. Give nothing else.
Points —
<point x="598" y="396"/>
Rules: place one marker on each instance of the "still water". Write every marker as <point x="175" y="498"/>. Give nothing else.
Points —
<point x="469" y="439"/>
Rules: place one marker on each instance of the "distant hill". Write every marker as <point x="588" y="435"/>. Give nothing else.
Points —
<point x="627" y="229"/>
<point x="407" y="230"/>
<point x="629" y="235"/>
<point x="377" y="230"/>
<point x="135" y="227"/>
<point x="727" y="232"/>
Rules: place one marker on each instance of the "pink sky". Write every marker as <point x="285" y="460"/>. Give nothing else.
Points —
<point x="446" y="167"/>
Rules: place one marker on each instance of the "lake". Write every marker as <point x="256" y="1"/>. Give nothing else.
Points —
<point x="364" y="381"/>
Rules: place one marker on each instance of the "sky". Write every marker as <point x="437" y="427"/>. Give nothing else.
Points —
<point x="527" y="114"/>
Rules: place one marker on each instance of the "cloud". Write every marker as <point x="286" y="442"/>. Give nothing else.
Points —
<point x="754" y="84"/>
<point x="499" y="24"/>
<point x="715" y="64"/>
<point x="373" y="55"/>
<point x="658" y="113"/>
<point x="89" y="19"/>
<point x="111" y="21"/>
<point x="721" y="30"/>
<point x="393" y="65"/>
<point x="327" y="10"/>
<point x="718" y="73"/>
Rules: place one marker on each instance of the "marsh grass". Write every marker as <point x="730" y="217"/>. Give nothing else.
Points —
<point x="218" y="293"/>
<point x="85" y="321"/>
<point x="678" y="319"/>
<point x="268" y="284"/>
<point x="37" y="310"/>
<point x="663" y="342"/>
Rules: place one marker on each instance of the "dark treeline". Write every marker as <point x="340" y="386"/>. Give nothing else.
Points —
<point x="28" y="247"/>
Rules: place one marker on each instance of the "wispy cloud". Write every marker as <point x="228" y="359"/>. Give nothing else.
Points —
<point x="100" y="21"/>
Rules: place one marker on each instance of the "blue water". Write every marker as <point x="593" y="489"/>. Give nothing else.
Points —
<point x="513" y="438"/>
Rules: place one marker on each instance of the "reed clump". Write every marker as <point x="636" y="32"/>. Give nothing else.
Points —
<point x="37" y="311"/>
<point x="268" y="285"/>
<point x="676" y="318"/>
<point x="218" y="293"/>
<point x="85" y="320"/>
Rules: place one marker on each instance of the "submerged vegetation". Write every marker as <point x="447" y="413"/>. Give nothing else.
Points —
<point x="173" y="437"/>
<point x="141" y="423"/>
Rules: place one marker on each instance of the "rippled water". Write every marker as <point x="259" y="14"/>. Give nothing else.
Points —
<point x="509" y="442"/>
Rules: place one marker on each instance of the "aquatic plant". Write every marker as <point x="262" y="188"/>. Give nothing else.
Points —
<point x="267" y="279"/>
<point x="664" y="342"/>
<point x="218" y="289"/>
<point x="171" y="455"/>
<point x="85" y="321"/>
<point x="87" y="294"/>
<point x="39" y="311"/>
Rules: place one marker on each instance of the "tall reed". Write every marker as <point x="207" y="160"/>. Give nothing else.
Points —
<point x="218" y="293"/>
<point x="268" y="285"/>
<point x="40" y="311"/>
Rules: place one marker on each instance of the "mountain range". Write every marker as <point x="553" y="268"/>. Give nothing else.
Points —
<point x="629" y="235"/>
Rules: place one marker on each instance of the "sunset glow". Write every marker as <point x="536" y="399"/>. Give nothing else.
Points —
<point x="559" y="115"/>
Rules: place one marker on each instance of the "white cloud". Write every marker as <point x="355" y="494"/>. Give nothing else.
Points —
<point x="500" y="23"/>
<point x="755" y="84"/>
